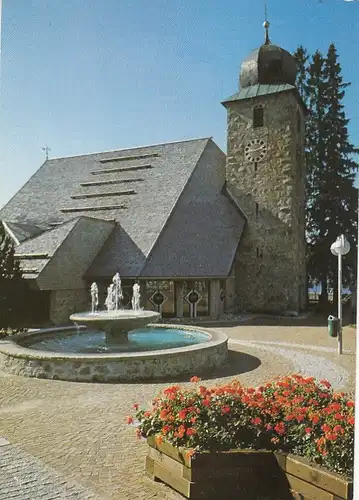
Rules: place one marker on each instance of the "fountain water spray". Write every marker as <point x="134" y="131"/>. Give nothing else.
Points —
<point x="116" y="321"/>
<point x="118" y="296"/>
<point x="136" y="297"/>
<point x="94" y="297"/>
<point x="109" y="302"/>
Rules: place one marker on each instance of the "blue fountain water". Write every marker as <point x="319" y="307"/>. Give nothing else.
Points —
<point x="141" y="340"/>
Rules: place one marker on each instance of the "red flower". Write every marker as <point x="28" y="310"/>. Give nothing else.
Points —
<point x="350" y="404"/>
<point x="166" y="429"/>
<point x="335" y="407"/>
<point x="326" y="384"/>
<point x="326" y="428"/>
<point x="180" y="432"/>
<point x="135" y="406"/>
<point x="129" y="420"/>
<point x="339" y="416"/>
<point x="164" y="413"/>
<point x="147" y="414"/>
<point x="193" y="420"/>
<point x="191" y="431"/>
<point x="194" y="379"/>
<point x="338" y="429"/>
<point x="280" y="428"/>
<point x="256" y="421"/>
<point x="225" y="409"/>
<point x="351" y="420"/>
<point x="206" y="402"/>
<point x="308" y="430"/>
<point x="190" y="453"/>
<point x="315" y="419"/>
<point x="159" y="440"/>
<point x="173" y="388"/>
<point x="182" y="414"/>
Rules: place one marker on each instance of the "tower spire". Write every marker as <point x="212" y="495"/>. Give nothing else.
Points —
<point x="266" y="24"/>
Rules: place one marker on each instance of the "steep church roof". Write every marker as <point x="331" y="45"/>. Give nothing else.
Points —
<point x="138" y="188"/>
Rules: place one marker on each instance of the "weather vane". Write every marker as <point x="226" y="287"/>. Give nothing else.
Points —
<point x="46" y="149"/>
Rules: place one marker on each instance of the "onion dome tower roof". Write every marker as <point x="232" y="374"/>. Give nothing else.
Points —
<point x="270" y="64"/>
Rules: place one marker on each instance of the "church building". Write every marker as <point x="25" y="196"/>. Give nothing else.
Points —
<point x="203" y="233"/>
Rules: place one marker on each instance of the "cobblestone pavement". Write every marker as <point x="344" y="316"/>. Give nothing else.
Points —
<point x="64" y="432"/>
<point x="26" y="478"/>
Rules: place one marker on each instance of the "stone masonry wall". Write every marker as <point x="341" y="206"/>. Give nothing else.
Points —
<point x="65" y="302"/>
<point x="270" y="264"/>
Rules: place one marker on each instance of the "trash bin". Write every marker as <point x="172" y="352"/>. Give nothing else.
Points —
<point x="333" y="326"/>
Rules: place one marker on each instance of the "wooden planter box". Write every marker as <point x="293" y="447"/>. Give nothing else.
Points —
<point x="247" y="474"/>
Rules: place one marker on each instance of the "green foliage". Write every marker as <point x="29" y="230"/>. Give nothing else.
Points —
<point x="12" y="285"/>
<point x="332" y="199"/>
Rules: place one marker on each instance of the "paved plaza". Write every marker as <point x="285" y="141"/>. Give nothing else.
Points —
<point x="62" y="440"/>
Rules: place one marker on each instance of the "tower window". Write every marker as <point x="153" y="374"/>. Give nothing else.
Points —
<point x="257" y="209"/>
<point x="255" y="166"/>
<point x="258" y="116"/>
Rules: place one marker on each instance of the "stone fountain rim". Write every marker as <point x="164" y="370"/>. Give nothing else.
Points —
<point x="10" y="347"/>
<point x="113" y="315"/>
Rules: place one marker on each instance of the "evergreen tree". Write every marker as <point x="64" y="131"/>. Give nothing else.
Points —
<point x="12" y="285"/>
<point x="331" y="196"/>
<point x="340" y="212"/>
<point x="302" y="57"/>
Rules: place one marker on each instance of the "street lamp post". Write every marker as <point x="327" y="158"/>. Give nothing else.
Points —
<point x="339" y="248"/>
<point x="356" y="427"/>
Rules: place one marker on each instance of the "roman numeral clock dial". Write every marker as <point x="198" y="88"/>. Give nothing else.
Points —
<point x="255" y="150"/>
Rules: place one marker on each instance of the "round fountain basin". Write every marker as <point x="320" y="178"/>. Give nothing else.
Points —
<point x="116" y="322"/>
<point x="88" y="356"/>
<point x="140" y="340"/>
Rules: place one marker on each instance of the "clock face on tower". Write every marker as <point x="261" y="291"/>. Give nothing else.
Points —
<point x="255" y="150"/>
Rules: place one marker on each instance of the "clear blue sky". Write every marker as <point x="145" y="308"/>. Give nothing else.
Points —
<point x="85" y="76"/>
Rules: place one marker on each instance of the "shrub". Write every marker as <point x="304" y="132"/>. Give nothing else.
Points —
<point x="12" y="284"/>
<point x="293" y="414"/>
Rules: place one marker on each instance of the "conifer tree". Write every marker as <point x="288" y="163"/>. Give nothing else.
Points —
<point x="12" y="284"/>
<point x="331" y="196"/>
<point x="339" y="212"/>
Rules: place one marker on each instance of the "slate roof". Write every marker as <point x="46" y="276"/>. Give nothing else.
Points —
<point x="46" y="243"/>
<point x="202" y="236"/>
<point x="138" y="188"/>
<point x="201" y="241"/>
<point x="259" y="90"/>
<point x="264" y="89"/>
<point x="23" y="232"/>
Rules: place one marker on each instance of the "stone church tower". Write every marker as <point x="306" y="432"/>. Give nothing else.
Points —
<point x="265" y="177"/>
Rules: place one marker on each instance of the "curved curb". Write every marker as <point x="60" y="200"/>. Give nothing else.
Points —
<point x="114" y="367"/>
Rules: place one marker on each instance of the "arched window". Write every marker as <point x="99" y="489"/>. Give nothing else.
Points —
<point x="258" y="116"/>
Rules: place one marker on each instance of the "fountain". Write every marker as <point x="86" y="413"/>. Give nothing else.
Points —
<point x="115" y="321"/>
<point x="113" y="345"/>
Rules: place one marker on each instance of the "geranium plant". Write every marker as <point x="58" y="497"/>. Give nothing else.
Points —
<point x="293" y="414"/>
